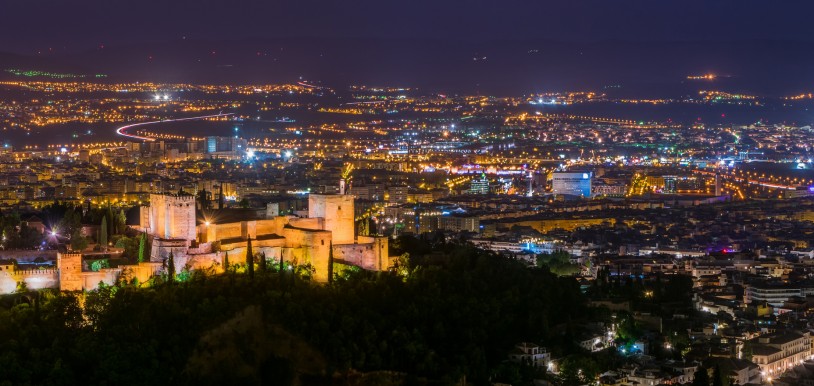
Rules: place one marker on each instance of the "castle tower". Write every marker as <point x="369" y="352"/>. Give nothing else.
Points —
<point x="381" y="251"/>
<point x="338" y="212"/>
<point x="172" y="216"/>
<point x="70" y="271"/>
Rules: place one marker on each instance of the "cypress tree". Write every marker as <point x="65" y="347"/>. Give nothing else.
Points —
<point x="202" y="199"/>
<point x="142" y="246"/>
<point x="331" y="262"/>
<point x="263" y="262"/>
<point x="249" y="258"/>
<point x="171" y="267"/>
<point x="121" y="222"/>
<point x="226" y="261"/>
<point x="717" y="377"/>
<point x="103" y="233"/>
<point x="110" y="226"/>
<point x="220" y="196"/>
<point x="701" y="377"/>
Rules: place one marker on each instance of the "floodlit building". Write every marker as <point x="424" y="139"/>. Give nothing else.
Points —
<point x="479" y="185"/>
<point x="777" y="352"/>
<point x="571" y="184"/>
<point x="531" y="354"/>
<point x="203" y="242"/>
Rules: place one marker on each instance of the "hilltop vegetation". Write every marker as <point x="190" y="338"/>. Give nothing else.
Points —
<point x="456" y="312"/>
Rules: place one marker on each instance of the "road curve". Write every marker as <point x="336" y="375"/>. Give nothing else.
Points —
<point x="121" y="130"/>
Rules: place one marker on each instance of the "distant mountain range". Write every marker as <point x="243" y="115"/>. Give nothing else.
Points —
<point x="640" y="69"/>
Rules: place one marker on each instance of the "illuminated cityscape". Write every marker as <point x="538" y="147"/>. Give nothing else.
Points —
<point x="290" y="194"/>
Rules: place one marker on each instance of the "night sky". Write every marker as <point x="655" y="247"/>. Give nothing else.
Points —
<point x="28" y="26"/>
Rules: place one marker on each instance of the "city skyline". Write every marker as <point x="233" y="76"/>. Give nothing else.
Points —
<point x="524" y="193"/>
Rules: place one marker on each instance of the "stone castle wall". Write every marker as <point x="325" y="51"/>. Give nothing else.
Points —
<point x="370" y="253"/>
<point x="338" y="212"/>
<point x="172" y="216"/>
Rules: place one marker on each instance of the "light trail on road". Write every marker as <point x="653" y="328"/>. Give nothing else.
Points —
<point x="120" y="131"/>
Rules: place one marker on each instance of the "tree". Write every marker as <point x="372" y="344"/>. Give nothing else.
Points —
<point x="578" y="370"/>
<point x="142" y="246"/>
<point x="69" y="222"/>
<point x="22" y="287"/>
<point x="331" y="263"/>
<point x="120" y="222"/>
<point x="701" y="377"/>
<point x="220" y="196"/>
<point x="747" y="351"/>
<point x="717" y="376"/>
<point x="111" y="224"/>
<point x="171" y="267"/>
<point x="226" y="261"/>
<point x="78" y="242"/>
<point x="129" y="244"/>
<point x="103" y="233"/>
<point x="203" y="199"/>
<point x="558" y="263"/>
<point x="97" y="265"/>
<point x="249" y="258"/>
<point x="263" y="262"/>
<point x="353" y="324"/>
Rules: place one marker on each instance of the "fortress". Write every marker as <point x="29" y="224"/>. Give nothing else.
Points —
<point x="71" y="274"/>
<point x="204" y="243"/>
<point x="198" y="242"/>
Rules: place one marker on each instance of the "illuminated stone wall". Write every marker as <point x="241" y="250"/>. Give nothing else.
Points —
<point x="142" y="272"/>
<point x="70" y="271"/>
<point x="338" y="212"/>
<point x="161" y="249"/>
<point x="172" y="216"/>
<point x="309" y="247"/>
<point x="34" y="279"/>
<point x="108" y="276"/>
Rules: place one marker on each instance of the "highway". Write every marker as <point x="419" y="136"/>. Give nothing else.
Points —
<point x="726" y="174"/>
<point x="121" y="130"/>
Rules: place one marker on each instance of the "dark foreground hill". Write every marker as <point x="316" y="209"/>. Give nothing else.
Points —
<point x="452" y="315"/>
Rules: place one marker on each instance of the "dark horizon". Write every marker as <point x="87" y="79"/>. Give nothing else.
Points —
<point x="52" y="26"/>
<point x="510" y="67"/>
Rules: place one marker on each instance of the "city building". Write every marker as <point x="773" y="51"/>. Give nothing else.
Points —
<point x="780" y="351"/>
<point x="571" y="184"/>
<point x="530" y="354"/>
<point x="479" y="185"/>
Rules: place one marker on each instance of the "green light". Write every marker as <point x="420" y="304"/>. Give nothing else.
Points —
<point x="46" y="74"/>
